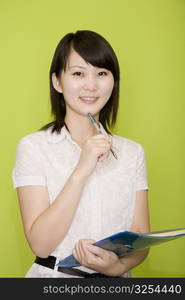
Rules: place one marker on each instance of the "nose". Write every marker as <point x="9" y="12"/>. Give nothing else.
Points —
<point x="90" y="83"/>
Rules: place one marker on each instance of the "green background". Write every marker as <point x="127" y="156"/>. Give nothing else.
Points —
<point x="149" y="39"/>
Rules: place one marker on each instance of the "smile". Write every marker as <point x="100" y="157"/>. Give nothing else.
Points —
<point x="89" y="100"/>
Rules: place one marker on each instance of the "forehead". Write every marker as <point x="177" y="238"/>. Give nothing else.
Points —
<point x="75" y="59"/>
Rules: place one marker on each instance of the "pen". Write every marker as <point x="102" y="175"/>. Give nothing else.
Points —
<point x="93" y="121"/>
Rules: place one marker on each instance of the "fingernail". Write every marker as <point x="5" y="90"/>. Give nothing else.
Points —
<point x="89" y="246"/>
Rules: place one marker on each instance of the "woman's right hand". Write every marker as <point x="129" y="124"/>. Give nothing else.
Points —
<point x="95" y="149"/>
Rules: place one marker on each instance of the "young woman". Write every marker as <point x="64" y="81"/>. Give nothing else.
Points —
<point x="72" y="190"/>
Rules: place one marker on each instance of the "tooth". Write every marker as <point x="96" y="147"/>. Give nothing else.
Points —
<point x="89" y="98"/>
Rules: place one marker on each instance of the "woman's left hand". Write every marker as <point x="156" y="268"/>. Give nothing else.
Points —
<point x="97" y="259"/>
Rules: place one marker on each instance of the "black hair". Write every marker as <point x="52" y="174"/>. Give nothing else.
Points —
<point x="97" y="51"/>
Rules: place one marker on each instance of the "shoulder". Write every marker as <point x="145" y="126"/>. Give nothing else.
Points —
<point x="128" y="150"/>
<point x="40" y="140"/>
<point x="125" y="144"/>
<point x="33" y="139"/>
<point x="32" y="143"/>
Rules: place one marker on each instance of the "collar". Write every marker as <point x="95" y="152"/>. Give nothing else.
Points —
<point x="58" y="137"/>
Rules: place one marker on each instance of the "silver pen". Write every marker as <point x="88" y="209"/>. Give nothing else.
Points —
<point x="93" y="121"/>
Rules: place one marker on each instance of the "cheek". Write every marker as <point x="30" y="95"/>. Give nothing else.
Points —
<point x="108" y="87"/>
<point x="70" y="88"/>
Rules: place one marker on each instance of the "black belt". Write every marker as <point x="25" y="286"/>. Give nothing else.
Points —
<point x="50" y="262"/>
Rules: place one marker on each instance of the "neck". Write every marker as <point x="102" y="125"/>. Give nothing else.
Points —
<point x="80" y="128"/>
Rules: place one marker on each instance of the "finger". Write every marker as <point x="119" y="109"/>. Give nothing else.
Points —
<point x="87" y="241"/>
<point x="92" y="260"/>
<point x="90" y="241"/>
<point x="103" y="137"/>
<point x="75" y="254"/>
<point x="83" y="243"/>
<point x="104" y="152"/>
<point x="80" y="248"/>
<point x="100" y="144"/>
<point x="97" y="251"/>
<point x="99" y="136"/>
<point x="103" y="156"/>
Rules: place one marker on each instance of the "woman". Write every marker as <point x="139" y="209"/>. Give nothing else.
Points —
<point x="72" y="191"/>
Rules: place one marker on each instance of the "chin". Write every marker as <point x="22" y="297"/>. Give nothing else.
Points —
<point x="85" y="109"/>
<point x="92" y="110"/>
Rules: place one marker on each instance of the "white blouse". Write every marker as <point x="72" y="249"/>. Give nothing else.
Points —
<point x="107" y="203"/>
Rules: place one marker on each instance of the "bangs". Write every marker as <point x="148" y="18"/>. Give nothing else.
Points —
<point x="94" y="49"/>
<point x="95" y="54"/>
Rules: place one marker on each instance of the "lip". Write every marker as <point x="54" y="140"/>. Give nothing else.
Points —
<point x="88" y="99"/>
<point x="91" y="97"/>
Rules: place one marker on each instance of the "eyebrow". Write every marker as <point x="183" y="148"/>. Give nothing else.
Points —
<point x="84" y="68"/>
<point x="77" y="67"/>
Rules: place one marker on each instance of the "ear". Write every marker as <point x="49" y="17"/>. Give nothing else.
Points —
<point x="56" y="83"/>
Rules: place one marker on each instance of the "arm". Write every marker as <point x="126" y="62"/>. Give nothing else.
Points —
<point x="46" y="224"/>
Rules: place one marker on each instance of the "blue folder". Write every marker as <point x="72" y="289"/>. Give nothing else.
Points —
<point x="126" y="242"/>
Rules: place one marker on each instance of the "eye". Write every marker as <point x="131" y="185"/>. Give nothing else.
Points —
<point x="102" y="73"/>
<point x="77" y="73"/>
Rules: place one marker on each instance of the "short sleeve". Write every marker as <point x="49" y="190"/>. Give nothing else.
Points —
<point x="28" y="169"/>
<point x="141" y="172"/>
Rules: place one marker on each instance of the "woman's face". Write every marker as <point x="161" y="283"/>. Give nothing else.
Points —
<point x="85" y="88"/>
